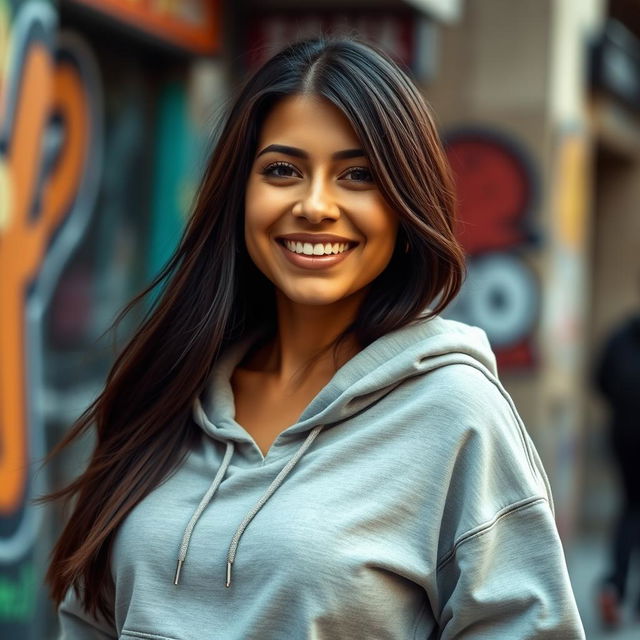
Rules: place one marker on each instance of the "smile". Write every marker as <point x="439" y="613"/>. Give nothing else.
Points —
<point x="315" y="255"/>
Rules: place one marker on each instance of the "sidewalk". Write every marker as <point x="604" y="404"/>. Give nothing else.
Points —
<point x="587" y="559"/>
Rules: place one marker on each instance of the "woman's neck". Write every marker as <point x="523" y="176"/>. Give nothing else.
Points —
<point x="302" y="332"/>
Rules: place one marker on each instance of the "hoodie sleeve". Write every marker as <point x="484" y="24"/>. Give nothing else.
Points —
<point x="77" y="624"/>
<point x="501" y="582"/>
<point x="501" y="572"/>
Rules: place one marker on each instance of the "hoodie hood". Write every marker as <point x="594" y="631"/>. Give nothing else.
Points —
<point x="413" y="350"/>
<point x="372" y="373"/>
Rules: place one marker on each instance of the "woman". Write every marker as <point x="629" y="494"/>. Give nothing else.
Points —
<point x="295" y="444"/>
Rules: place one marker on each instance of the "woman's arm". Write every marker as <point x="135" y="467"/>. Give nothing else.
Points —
<point x="501" y="572"/>
<point x="507" y="579"/>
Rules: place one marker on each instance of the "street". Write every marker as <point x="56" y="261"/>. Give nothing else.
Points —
<point x="586" y="559"/>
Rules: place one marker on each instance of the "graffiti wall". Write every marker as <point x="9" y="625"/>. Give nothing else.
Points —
<point x="50" y="138"/>
<point x="497" y="190"/>
<point x="98" y="157"/>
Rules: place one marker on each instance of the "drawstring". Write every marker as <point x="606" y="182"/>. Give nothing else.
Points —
<point x="279" y="479"/>
<point x="267" y="494"/>
<point x="201" y="507"/>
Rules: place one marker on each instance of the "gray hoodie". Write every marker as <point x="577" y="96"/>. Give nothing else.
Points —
<point x="407" y="502"/>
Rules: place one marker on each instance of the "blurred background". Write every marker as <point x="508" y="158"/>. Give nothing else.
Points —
<point x="106" y="114"/>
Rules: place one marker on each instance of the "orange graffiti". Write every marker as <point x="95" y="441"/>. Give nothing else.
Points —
<point x="193" y="25"/>
<point x="26" y="233"/>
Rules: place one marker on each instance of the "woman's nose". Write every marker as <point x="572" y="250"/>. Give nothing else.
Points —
<point x="317" y="203"/>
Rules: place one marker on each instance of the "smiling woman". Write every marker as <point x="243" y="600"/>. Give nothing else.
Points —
<point x="295" y="444"/>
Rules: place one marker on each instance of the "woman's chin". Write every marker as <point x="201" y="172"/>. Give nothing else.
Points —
<point x="313" y="301"/>
<point x="318" y="298"/>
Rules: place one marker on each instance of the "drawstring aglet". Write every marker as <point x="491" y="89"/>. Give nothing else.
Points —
<point x="178" y="568"/>
<point x="228" y="583"/>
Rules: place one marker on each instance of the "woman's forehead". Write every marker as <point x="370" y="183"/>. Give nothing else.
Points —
<point x="309" y="120"/>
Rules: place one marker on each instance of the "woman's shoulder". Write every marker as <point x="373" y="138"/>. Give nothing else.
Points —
<point x="464" y="390"/>
<point x="466" y="416"/>
<point x="475" y="449"/>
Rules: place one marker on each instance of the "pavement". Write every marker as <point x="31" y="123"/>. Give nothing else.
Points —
<point x="587" y="561"/>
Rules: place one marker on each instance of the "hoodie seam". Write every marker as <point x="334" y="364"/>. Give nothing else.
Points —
<point x="485" y="527"/>
<point x="146" y="636"/>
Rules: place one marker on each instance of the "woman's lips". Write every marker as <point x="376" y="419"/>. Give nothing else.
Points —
<point x="311" y="261"/>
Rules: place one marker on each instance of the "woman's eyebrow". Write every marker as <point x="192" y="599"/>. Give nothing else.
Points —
<point x="299" y="153"/>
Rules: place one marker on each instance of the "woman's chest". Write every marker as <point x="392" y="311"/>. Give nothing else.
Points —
<point x="265" y="418"/>
<point x="340" y="537"/>
<point x="346" y="504"/>
<point x="265" y="410"/>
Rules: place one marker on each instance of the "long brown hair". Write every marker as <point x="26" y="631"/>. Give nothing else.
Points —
<point x="212" y="295"/>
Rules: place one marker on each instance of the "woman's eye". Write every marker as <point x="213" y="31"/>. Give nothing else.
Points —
<point x="359" y="174"/>
<point x="280" y="170"/>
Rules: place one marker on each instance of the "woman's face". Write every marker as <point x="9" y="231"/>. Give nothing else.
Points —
<point x="315" y="222"/>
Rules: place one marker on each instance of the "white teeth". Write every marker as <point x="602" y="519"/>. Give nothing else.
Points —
<point x="309" y="249"/>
